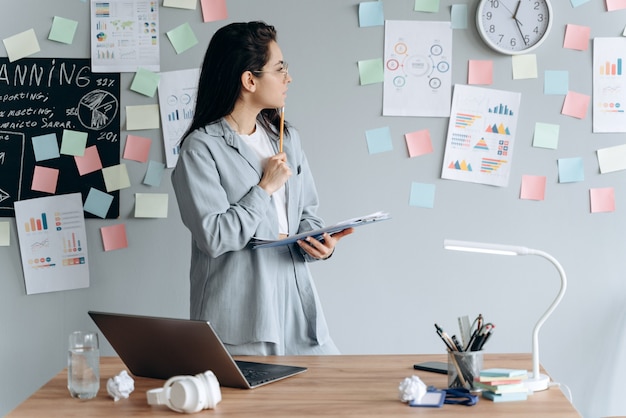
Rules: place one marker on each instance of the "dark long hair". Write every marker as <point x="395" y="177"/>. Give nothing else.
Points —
<point x="233" y="50"/>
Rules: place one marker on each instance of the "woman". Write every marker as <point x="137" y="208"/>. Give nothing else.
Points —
<point x="232" y="183"/>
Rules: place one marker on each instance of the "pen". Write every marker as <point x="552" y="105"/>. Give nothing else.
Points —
<point x="457" y="344"/>
<point x="447" y="341"/>
<point x="282" y="129"/>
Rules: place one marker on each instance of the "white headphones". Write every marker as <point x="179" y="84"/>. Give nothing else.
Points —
<point x="188" y="393"/>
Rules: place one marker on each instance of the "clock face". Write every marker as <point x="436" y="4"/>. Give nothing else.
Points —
<point x="514" y="26"/>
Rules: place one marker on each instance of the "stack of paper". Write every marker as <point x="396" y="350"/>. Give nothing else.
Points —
<point x="502" y="385"/>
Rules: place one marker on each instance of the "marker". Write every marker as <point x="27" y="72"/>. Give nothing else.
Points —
<point x="282" y="129"/>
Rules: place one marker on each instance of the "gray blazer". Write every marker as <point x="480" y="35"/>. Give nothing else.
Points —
<point x="216" y="184"/>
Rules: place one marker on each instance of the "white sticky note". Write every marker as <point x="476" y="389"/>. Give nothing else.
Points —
<point x="612" y="159"/>
<point x="142" y="117"/>
<point x="151" y="205"/>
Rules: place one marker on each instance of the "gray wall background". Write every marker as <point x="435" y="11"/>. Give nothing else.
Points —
<point x="387" y="284"/>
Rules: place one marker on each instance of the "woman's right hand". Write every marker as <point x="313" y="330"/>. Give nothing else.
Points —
<point x="275" y="173"/>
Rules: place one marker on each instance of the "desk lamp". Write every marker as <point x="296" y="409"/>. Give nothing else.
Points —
<point x="536" y="381"/>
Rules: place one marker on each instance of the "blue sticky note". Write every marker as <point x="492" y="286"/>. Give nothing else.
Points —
<point x="458" y="16"/>
<point x="98" y="203"/>
<point x="576" y="3"/>
<point x="154" y="173"/>
<point x="371" y="14"/>
<point x="379" y="140"/>
<point x="46" y="147"/>
<point x="556" y="82"/>
<point x="571" y="170"/>
<point x="422" y="195"/>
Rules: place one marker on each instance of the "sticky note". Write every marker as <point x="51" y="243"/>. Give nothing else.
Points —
<point x="371" y="14"/>
<point x="458" y="16"/>
<point x="116" y="177"/>
<point x="576" y="105"/>
<point x="602" y="199"/>
<point x="419" y="143"/>
<point x="63" y="30"/>
<point x="21" y="45"/>
<point x="556" y="82"/>
<point x="371" y="71"/>
<point x="5" y="234"/>
<point x="45" y="147"/>
<point x="546" y="135"/>
<point x="571" y="170"/>
<point x="576" y="3"/>
<point x="612" y="5"/>
<point x="480" y="72"/>
<point x="154" y="173"/>
<point x="182" y="38"/>
<point x="73" y="142"/>
<point x="151" y="205"/>
<point x="213" y="10"/>
<point x="576" y="37"/>
<point x="142" y="117"/>
<point x="114" y="237"/>
<point x="181" y="4"/>
<point x="45" y="179"/>
<point x="379" y="140"/>
<point x="145" y="82"/>
<point x="524" y="66"/>
<point x="89" y="162"/>
<point x="98" y="203"/>
<point x="428" y="6"/>
<point x="137" y="148"/>
<point x="533" y="187"/>
<point x="422" y="195"/>
<point x="612" y="159"/>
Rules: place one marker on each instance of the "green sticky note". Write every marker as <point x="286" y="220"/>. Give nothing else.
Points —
<point x="145" y="82"/>
<point x="371" y="71"/>
<point x="63" y="30"/>
<point x="182" y="38"/>
<point x="546" y="135"/>
<point x="73" y="143"/>
<point x="429" y="6"/>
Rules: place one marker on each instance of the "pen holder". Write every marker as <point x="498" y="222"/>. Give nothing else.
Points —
<point x="463" y="367"/>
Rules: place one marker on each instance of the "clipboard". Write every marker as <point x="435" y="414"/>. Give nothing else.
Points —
<point x="375" y="217"/>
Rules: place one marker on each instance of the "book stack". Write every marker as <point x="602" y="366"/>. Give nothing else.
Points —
<point x="502" y="385"/>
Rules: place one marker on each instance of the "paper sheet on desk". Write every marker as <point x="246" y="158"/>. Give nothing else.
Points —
<point x="317" y="233"/>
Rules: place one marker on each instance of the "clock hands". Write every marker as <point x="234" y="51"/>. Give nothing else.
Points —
<point x="518" y="23"/>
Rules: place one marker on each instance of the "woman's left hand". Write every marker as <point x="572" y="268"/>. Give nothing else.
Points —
<point x="323" y="249"/>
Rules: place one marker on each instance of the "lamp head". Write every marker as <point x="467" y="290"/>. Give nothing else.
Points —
<point x="485" y="248"/>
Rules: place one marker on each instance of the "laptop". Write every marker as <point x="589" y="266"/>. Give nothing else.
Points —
<point x="164" y="347"/>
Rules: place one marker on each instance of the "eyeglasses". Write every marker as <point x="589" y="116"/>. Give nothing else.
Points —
<point x="284" y="70"/>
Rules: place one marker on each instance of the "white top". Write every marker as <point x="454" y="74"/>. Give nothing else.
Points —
<point x="260" y="143"/>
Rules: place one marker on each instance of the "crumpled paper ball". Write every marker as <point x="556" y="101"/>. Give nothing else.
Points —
<point x="412" y="389"/>
<point x="120" y="386"/>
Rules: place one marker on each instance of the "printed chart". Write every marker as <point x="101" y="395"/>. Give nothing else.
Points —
<point x="479" y="144"/>
<point x="609" y="94"/>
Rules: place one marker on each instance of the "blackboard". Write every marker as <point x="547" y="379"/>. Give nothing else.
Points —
<point x="43" y="96"/>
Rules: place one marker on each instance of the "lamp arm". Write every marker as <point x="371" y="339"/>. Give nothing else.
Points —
<point x="551" y="308"/>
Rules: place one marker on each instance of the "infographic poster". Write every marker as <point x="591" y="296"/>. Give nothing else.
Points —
<point x="53" y="243"/>
<point x="417" y="68"/>
<point x="609" y="90"/>
<point x="481" y="135"/>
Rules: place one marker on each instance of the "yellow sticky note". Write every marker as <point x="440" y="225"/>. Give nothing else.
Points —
<point x="524" y="66"/>
<point x="116" y="177"/>
<point x="151" y="205"/>
<point x="5" y="234"/>
<point x="21" y="45"/>
<point x="142" y="117"/>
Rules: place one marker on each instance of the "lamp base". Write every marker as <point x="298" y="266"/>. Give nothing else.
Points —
<point x="536" y="384"/>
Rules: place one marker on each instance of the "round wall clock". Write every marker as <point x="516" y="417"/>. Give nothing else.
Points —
<point x="514" y="26"/>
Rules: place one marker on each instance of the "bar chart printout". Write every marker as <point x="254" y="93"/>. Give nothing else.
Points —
<point x="51" y="233"/>
<point x="609" y="89"/>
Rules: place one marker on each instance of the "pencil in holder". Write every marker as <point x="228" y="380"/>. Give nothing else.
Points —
<point x="463" y="367"/>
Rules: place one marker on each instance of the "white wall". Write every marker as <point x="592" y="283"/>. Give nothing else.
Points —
<point x="388" y="283"/>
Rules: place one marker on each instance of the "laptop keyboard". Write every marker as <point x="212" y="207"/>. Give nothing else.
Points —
<point x="253" y="375"/>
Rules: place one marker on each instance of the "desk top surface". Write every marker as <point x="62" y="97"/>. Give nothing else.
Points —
<point x="346" y="385"/>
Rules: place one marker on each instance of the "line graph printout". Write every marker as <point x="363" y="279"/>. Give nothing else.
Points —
<point x="53" y="244"/>
<point x="417" y="68"/>
<point x="609" y="85"/>
<point x="481" y="135"/>
<point x="177" y="101"/>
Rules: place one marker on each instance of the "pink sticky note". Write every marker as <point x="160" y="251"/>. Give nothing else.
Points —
<point x="137" y="148"/>
<point x="418" y="143"/>
<point x="45" y="179"/>
<point x="577" y="37"/>
<point x="480" y="72"/>
<point x="612" y="5"/>
<point x="89" y="162"/>
<point x="602" y="199"/>
<point x="576" y="105"/>
<point x="533" y="187"/>
<point x="114" y="237"/>
<point x="213" y="10"/>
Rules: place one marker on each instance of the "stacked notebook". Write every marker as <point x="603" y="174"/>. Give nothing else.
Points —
<point x="502" y="385"/>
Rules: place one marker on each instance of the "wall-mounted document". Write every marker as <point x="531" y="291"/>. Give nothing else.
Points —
<point x="318" y="233"/>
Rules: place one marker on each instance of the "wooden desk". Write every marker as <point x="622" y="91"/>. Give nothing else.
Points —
<point x="347" y="386"/>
